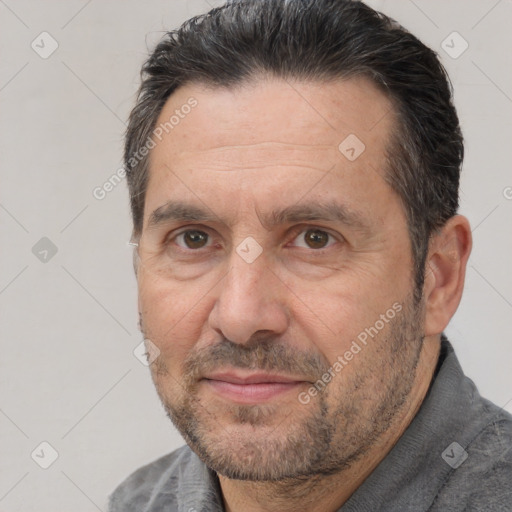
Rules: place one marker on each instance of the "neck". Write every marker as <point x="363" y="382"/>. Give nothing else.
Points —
<point x="320" y="493"/>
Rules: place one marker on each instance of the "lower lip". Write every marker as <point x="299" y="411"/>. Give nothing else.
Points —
<point x="251" y="393"/>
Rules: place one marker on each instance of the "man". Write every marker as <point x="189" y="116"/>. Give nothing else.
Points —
<point x="293" y="168"/>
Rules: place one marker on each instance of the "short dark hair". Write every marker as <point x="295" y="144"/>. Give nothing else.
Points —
<point x="317" y="40"/>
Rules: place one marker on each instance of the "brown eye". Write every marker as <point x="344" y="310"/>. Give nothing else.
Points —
<point x="194" y="239"/>
<point x="316" y="239"/>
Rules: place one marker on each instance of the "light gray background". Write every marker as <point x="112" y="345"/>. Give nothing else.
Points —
<point x="68" y="375"/>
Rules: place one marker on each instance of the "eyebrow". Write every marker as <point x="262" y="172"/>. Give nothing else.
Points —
<point x="179" y="212"/>
<point x="330" y="211"/>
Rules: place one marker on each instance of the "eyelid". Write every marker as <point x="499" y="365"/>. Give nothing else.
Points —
<point x="171" y="237"/>
<point x="184" y="246"/>
<point x="298" y="230"/>
<point x="294" y="232"/>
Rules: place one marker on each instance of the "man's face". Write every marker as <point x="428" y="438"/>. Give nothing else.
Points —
<point x="275" y="276"/>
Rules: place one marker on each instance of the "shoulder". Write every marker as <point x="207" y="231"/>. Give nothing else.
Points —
<point x="482" y="480"/>
<point x="136" y="492"/>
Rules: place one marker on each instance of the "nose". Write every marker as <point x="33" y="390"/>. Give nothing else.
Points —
<point x="250" y="299"/>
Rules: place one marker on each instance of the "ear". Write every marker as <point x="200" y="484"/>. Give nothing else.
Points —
<point x="136" y="263"/>
<point x="445" y="271"/>
<point x="135" y="256"/>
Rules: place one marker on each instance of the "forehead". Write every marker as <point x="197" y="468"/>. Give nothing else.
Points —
<point x="300" y="114"/>
<point x="211" y="138"/>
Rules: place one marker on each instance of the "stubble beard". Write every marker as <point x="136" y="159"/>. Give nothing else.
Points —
<point x="294" y="441"/>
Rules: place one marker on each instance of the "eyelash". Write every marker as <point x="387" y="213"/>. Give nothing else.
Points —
<point x="295" y="233"/>
<point x="332" y="238"/>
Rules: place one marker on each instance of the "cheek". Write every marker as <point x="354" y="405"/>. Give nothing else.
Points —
<point x="172" y="315"/>
<point x="336" y="312"/>
<point x="338" y="319"/>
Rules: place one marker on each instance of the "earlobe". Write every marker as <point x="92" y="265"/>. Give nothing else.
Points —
<point x="446" y="264"/>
